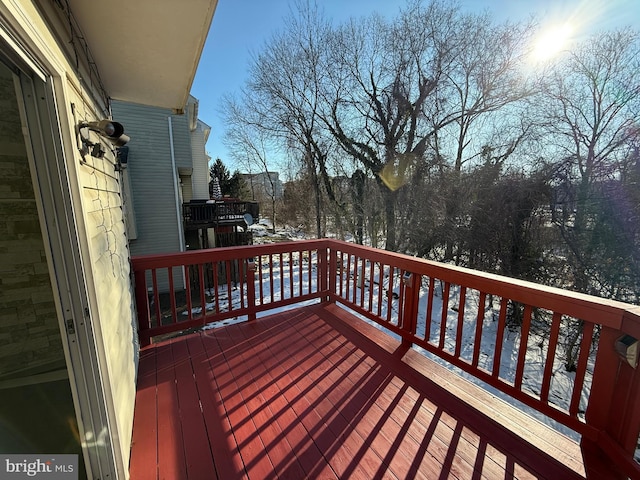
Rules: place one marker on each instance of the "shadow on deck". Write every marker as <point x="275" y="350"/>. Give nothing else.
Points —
<point x="316" y="393"/>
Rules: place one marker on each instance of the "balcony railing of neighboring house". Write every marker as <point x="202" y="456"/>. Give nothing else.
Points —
<point x="209" y="214"/>
<point x="401" y="294"/>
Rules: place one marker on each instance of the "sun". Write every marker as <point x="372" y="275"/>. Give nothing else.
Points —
<point x="552" y="41"/>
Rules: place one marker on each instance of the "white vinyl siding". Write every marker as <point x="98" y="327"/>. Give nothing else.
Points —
<point x="200" y="176"/>
<point x="108" y="250"/>
<point x="187" y="188"/>
<point x="151" y="175"/>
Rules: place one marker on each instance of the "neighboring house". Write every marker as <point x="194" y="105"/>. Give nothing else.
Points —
<point x="166" y="166"/>
<point x="263" y="185"/>
<point x="68" y="344"/>
<point x="167" y="179"/>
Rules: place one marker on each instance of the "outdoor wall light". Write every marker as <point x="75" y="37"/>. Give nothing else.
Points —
<point x="112" y="131"/>
<point x="627" y="347"/>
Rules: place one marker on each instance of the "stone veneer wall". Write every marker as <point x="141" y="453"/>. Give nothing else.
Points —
<point x="29" y="332"/>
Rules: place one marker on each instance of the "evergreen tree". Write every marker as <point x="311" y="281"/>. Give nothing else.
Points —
<point x="230" y="185"/>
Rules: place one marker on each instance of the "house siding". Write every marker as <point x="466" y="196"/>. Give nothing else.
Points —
<point x="182" y="141"/>
<point x="200" y="177"/>
<point x="104" y="223"/>
<point x="187" y="188"/>
<point x="152" y="175"/>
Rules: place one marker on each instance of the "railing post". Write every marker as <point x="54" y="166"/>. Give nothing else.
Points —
<point x="409" y="318"/>
<point x="333" y="272"/>
<point x="331" y="287"/>
<point x="142" y="307"/>
<point x="613" y="407"/>
<point x="322" y="270"/>
<point x="251" y="288"/>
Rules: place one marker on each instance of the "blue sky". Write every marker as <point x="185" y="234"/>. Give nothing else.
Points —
<point x="241" y="27"/>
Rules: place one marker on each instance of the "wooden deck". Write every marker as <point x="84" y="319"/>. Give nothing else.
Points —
<point x="316" y="393"/>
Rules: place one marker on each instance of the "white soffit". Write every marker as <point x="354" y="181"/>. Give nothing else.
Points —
<point x="146" y="51"/>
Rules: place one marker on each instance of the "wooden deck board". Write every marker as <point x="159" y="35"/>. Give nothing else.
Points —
<point x="198" y="457"/>
<point x="224" y="447"/>
<point x="171" y="459"/>
<point x="376" y="394"/>
<point x="371" y="380"/>
<point x="266" y="377"/>
<point x="232" y="386"/>
<point x="144" y="461"/>
<point x="311" y="405"/>
<point x="316" y="393"/>
<point x="262" y="402"/>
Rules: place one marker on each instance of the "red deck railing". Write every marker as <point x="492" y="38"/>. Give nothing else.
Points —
<point x="426" y="304"/>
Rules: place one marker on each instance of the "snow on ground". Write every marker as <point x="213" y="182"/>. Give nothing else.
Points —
<point x="263" y="233"/>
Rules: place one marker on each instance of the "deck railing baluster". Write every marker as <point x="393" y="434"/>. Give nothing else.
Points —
<point x="581" y="369"/>
<point x="156" y="297"/>
<point x="188" y="292"/>
<point x="201" y="289"/>
<point x="363" y="281"/>
<point x="390" y="293"/>
<point x="522" y="350"/>
<point x="502" y="322"/>
<point x="443" y="316"/>
<point x="260" y="274"/>
<point x="229" y="278"/>
<point x="291" y="282"/>
<point x="142" y="305"/>
<point x="251" y="288"/>
<point x="461" y="305"/>
<point x="477" y="341"/>
<point x="429" y="315"/>
<point x="271" y="277"/>
<point x="172" y="296"/>
<point x="551" y="355"/>
<point x="300" y="270"/>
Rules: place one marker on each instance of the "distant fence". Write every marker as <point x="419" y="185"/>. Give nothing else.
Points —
<point x="203" y="212"/>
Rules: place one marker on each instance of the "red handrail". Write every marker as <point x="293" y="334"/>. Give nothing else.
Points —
<point x="179" y="291"/>
<point x="402" y="294"/>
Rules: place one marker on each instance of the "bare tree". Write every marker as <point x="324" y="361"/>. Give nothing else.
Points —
<point x="393" y="86"/>
<point x="284" y="93"/>
<point x="485" y="77"/>
<point x="593" y="101"/>
<point x="251" y="146"/>
<point x="381" y="74"/>
<point x="591" y="104"/>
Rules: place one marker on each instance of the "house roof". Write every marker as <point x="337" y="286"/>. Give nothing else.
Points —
<point x="153" y="50"/>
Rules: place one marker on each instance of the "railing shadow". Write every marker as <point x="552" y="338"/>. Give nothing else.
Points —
<point x="303" y="395"/>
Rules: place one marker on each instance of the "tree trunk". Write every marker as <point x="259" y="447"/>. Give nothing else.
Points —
<point x="390" y="217"/>
<point x="316" y="189"/>
<point x="358" y="180"/>
<point x="581" y="281"/>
